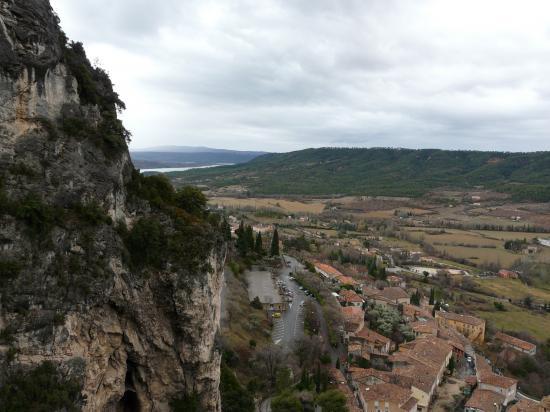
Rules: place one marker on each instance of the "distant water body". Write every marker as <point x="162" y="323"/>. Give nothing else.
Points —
<point x="181" y="169"/>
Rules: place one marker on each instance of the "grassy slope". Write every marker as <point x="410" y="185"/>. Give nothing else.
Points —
<point x="399" y="172"/>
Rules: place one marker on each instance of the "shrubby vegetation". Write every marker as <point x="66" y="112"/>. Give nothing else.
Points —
<point x="187" y="403"/>
<point x="235" y="398"/>
<point x="182" y="234"/>
<point x="388" y="322"/>
<point x="297" y="243"/>
<point x="41" y="389"/>
<point x="41" y="217"/>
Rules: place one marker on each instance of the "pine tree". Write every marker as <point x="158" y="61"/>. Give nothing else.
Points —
<point x="259" y="246"/>
<point x="275" y="244"/>
<point x="242" y="244"/>
<point x="226" y="230"/>
<point x="432" y="296"/>
<point x="249" y="236"/>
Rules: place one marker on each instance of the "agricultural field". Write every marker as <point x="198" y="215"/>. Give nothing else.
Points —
<point x="280" y="205"/>
<point x="479" y="247"/>
<point x="519" y="320"/>
<point x="513" y="289"/>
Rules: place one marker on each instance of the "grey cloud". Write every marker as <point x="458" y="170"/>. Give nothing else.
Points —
<point x="278" y="75"/>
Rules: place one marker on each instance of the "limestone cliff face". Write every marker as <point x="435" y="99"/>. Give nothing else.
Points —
<point x="136" y="338"/>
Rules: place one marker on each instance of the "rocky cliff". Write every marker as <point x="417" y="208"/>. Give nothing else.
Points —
<point x="109" y="281"/>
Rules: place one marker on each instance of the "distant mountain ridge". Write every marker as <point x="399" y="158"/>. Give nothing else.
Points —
<point x="188" y="156"/>
<point x="382" y="171"/>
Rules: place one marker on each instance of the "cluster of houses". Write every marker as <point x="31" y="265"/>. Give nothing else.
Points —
<point x="407" y="376"/>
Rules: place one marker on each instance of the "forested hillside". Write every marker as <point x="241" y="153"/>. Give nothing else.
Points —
<point x="391" y="172"/>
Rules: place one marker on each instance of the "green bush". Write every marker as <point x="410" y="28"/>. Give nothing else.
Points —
<point x="146" y="243"/>
<point x="332" y="401"/>
<point x="188" y="403"/>
<point x="91" y="214"/>
<point x="192" y="200"/>
<point x="94" y="85"/>
<point x="38" y="216"/>
<point x="42" y="389"/>
<point x="235" y="398"/>
<point x="156" y="189"/>
<point x="286" y="402"/>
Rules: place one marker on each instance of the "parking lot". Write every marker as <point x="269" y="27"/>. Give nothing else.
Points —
<point x="262" y="285"/>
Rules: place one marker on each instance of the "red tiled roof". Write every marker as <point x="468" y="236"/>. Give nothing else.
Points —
<point x="350" y="296"/>
<point x="369" y="292"/>
<point x="428" y="327"/>
<point x="329" y="270"/>
<point x="511" y="340"/>
<point x="360" y="374"/>
<point x="352" y="313"/>
<point x="484" y="400"/>
<point x="394" y="293"/>
<point x="346" y="280"/>
<point x="409" y="405"/>
<point x="471" y="320"/>
<point x="525" y="405"/>
<point x="372" y="336"/>
<point x="496" y="380"/>
<point x="385" y="392"/>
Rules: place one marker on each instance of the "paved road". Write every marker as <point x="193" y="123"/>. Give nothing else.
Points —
<point x="290" y="326"/>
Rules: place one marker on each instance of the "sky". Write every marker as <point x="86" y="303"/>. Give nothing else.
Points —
<point x="285" y="75"/>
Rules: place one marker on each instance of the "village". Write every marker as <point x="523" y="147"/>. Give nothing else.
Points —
<point x="403" y="341"/>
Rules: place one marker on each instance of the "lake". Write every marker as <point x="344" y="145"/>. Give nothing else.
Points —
<point x="181" y="169"/>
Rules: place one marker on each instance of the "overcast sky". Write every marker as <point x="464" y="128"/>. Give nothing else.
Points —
<point x="284" y="75"/>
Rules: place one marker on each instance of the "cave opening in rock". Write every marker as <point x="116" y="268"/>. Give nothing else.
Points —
<point x="129" y="402"/>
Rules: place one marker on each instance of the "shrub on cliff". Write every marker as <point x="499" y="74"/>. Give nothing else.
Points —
<point x="94" y="85"/>
<point x="192" y="200"/>
<point x="146" y="243"/>
<point x="41" y="389"/>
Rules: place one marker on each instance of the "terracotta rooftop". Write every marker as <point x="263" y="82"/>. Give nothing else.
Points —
<point x="471" y="320"/>
<point x="511" y="340"/>
<point x="352" y="313"/>
<point x="484" y="400"/>
<point x="329" y="270"/>
<point x="526" y="405"/>
<point x="394" y="293"/>
<point x="346" y="280"/>
<point x="372" y="336"/>
<point x="349" y="296"/>
<point x="482" y="366"/>
<point x="409" y="405"/>
<point x="369" y="292"/>
<point x="425" y="327"/>
<point x="385" y="392"/>
<point x="415" y="311"/>
<point x="496" y="380"/>
<point x="361" y="374"/>
<point x="429" y="350"/>
<point x="418" y="375"/>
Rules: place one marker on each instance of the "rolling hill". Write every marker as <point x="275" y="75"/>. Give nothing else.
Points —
<point x="379" y="171"/>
